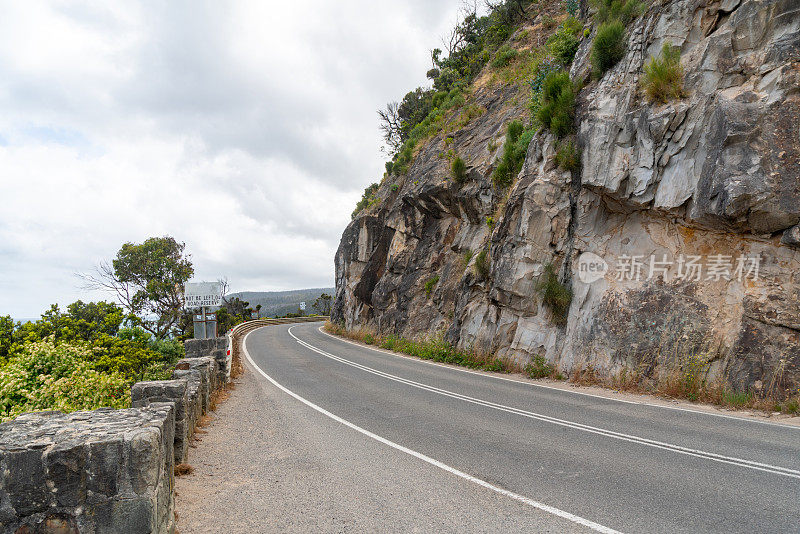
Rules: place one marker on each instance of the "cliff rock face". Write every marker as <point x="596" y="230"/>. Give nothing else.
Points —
<point x="712" y="178"/>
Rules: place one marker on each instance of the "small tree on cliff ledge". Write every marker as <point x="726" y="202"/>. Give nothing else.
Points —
<point x="148" y="280"/>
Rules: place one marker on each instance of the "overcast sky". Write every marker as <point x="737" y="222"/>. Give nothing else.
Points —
<point x="246" y="129"/>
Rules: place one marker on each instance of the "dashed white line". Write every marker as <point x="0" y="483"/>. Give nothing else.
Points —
<point x="749" y="464"/>
<point x="543" y="386"/>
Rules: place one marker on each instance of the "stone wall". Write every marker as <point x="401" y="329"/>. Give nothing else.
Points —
<point x="100" y="471"/>
<point x="108" y="470"/>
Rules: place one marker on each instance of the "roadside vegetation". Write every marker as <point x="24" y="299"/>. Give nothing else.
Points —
<point x="684" y="378"/>
<point x="88" y="355"/>
<point x="79" y="359"/>
<point x="431" y="348"/>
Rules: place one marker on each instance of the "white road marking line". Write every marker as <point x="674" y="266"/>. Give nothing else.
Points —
<point x="517" y="497"/>
<point x="758" y="466"/>
<point x="533" y="384"/>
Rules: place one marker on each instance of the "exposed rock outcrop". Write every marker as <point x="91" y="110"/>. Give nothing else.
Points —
<point x="714" y="175"/>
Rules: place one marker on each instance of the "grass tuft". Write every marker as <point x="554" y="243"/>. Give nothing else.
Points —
<point x="467" y="257"/>
<point x="183" y="469"/>
<point x="608" y="47"/>
<point x="459" y="170"/>
<point x="482" y="264"/>
<point x="557" y="110"/>
<point x="514" y="151"/>
<point x="555" y="295"/>
<point x="568" y="157"/>
<point x="430" y="284"/>
<point x="663" y="75"/>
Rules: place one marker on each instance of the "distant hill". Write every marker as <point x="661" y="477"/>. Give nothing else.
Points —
<point x="282" y="302"/>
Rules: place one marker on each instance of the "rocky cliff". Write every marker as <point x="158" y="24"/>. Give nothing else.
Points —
<point x="690" y="209"/>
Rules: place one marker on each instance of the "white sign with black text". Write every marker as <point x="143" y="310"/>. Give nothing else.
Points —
<point x="202" y="295"/>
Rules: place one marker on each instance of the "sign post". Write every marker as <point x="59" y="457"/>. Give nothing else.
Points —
<point x="203" y="295"/>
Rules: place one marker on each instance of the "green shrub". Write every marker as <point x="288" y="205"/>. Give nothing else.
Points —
<point x="608" y="46"/>
<point x="573" y="7"/>
<point x="395" y="188"/>
<point x="482" y="264"/>
<point x="514" y="150"/>
<point x="568" y="156"/>
<point x="459" y="170"/>
<point x="430" y="284"/>
<point x="539" y="367"/>
<point x="555" y="295"/>
<point x="367" y="199"/>
<point x="490" y="222"/>
<point x="467" y="257"/>
<point x="389" y="167"/>
<point x="49" y="376"/>
<point x="663" y="75"/>
<point x="622" y="10"/>
<point x="557" y="111"/>
<point x="504" y="56"/>
<point x="563" y="43"/>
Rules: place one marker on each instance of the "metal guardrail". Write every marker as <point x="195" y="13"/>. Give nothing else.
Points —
<point x="237" y="332"/>
<point x="258" y="323"/>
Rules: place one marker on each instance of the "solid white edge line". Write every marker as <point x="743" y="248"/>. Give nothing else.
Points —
<point x="740" y="462"/>
<point x="543" y="386"/>
<point x="436" y="463"/>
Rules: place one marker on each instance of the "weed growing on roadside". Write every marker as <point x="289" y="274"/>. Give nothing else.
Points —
<point x="539" y="367"/>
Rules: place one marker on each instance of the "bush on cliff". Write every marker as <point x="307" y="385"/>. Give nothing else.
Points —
<point x="563" y="44"/>
<point x="622" y="10"/>
<point x="555" y="295"/>
<point x="367" y="199"/>
<point x="568" y="157"/>
<point x="557" y="111"/>
<point x="514" y="151"/>
<point x="663" y="75"/>
<point x="608" y="46"/>
<point x="459" y="170"/>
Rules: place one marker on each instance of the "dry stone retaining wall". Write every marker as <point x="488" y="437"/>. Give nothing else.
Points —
<point x="112" y="471"/>
<point x="108" y="470"/>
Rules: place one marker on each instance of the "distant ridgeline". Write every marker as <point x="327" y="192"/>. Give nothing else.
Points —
<point x="282" y="302"/>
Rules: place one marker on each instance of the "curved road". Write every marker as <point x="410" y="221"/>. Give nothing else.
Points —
<point x="448" y="449"/>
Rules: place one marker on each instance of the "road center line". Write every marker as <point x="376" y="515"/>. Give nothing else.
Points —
<point x="561" y="390"/>
<point x="517" y="497"/>
<point x="758" y="466"/>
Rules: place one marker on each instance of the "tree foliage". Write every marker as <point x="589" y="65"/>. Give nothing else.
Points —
<point x="148" y="280"/>
<point x="83" y="358"/>
<point x="323" y="304"/>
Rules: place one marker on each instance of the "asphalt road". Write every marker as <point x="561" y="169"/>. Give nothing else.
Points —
<point x="441" y="448"/>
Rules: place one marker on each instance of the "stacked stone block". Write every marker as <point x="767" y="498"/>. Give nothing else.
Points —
<point x="102" y="471"/>
<point x="108" y="471"/>
<point x="176" y="393"/>
<point x="216" y="348"/>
